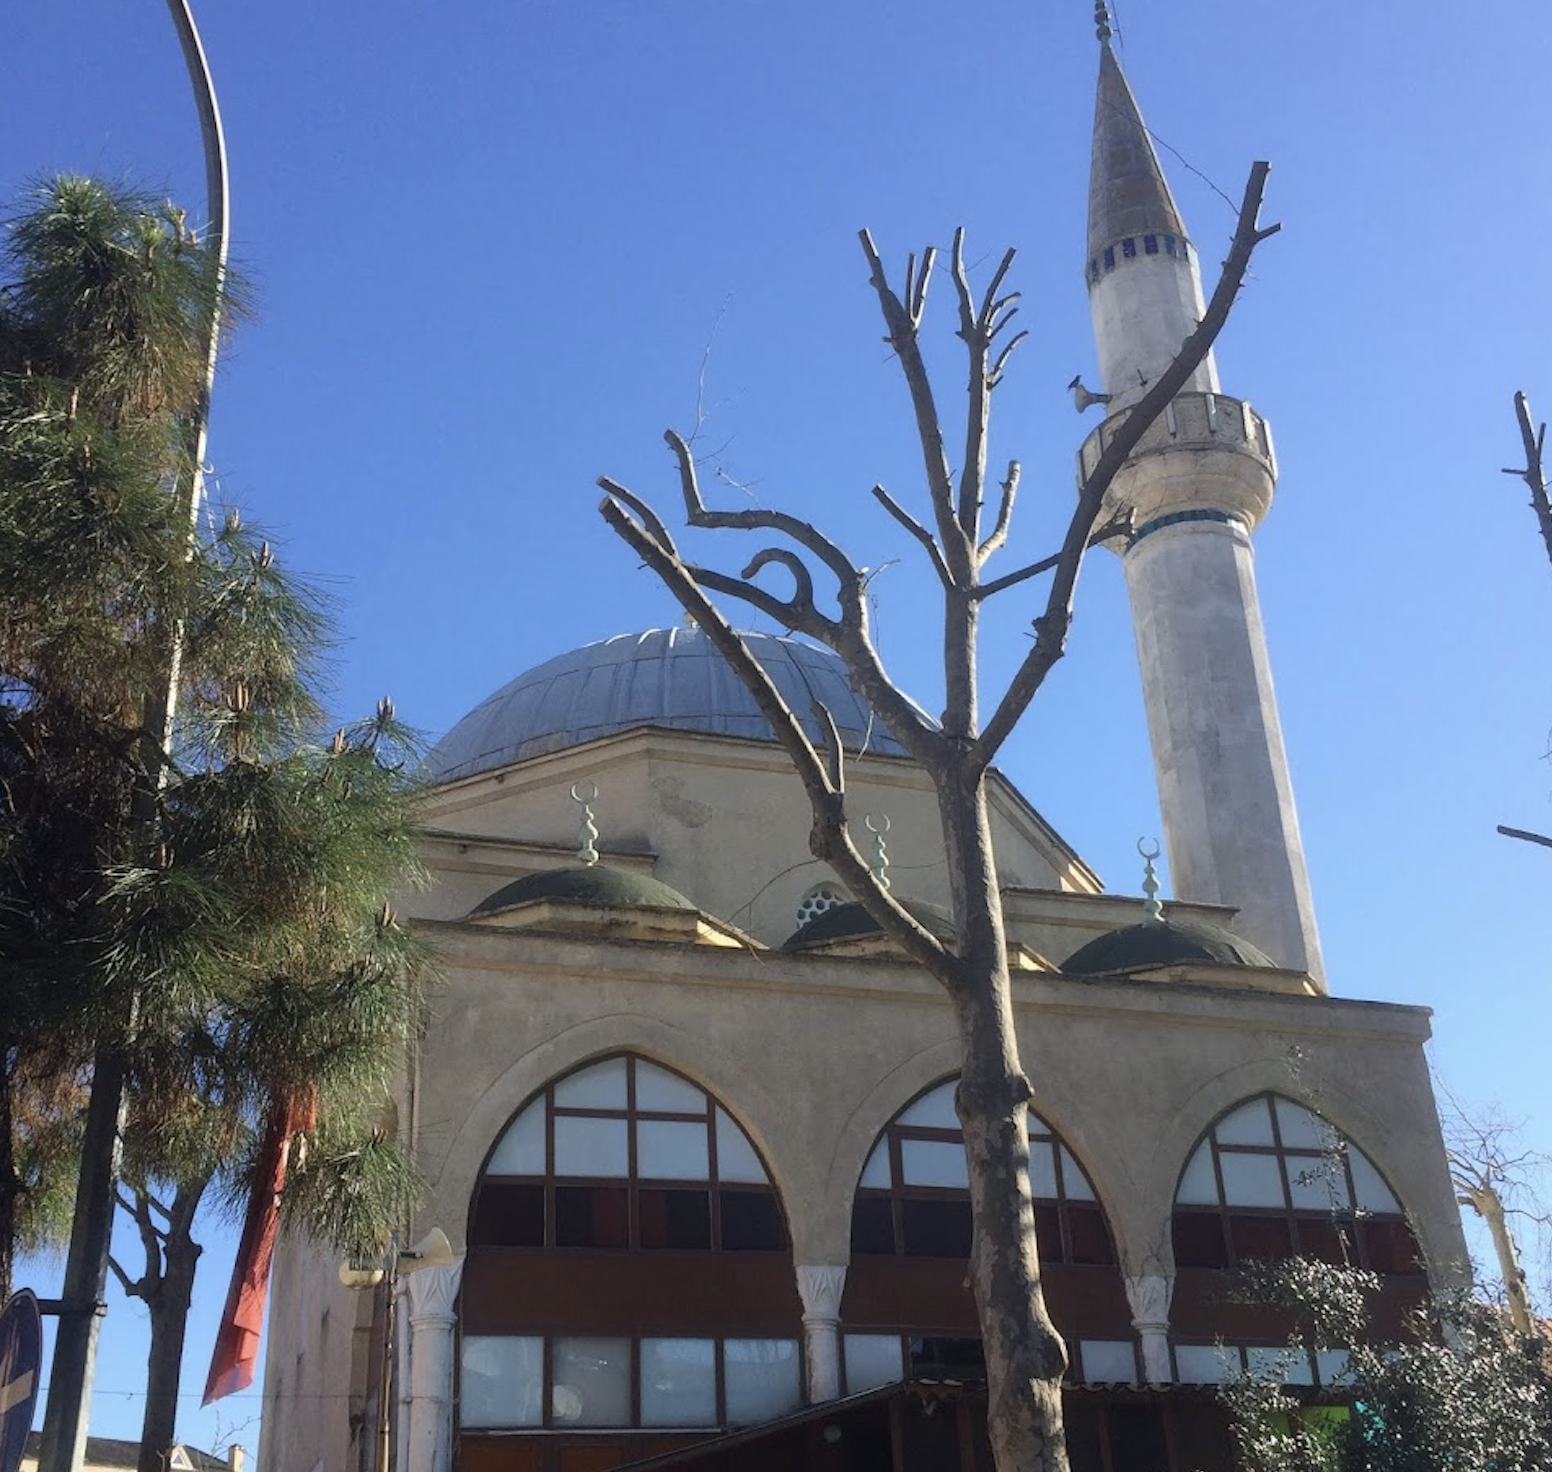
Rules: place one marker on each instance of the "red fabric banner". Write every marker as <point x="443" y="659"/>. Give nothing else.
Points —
<point x="242" y="1321"/>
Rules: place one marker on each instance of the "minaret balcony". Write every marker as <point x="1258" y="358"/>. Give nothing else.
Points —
<point x="1206" y="451"/>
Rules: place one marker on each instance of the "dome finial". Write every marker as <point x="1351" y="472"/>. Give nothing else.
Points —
<point x="880" y="849"/>
<point x="1152" y="910"/>
<point x="587" y="835"/>
<point x="1102" y="22"/>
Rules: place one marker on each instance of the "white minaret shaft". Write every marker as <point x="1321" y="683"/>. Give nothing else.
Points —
<point x="1197" y="486"/>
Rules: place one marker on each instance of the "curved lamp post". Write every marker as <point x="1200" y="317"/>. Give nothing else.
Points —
<point x="86" y="1270"/>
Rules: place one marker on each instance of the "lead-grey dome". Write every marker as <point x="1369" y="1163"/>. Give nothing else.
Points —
<point x="664" y="677"/>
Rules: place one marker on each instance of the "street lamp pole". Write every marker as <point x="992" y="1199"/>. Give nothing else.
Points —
<point x="91" y="1233"/>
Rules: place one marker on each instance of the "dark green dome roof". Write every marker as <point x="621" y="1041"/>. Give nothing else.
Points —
<point x="587" y="884"/>
<point x="844" y="922"/>
<point x="1162" y="943"/>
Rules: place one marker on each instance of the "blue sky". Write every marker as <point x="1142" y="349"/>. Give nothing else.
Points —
<point x="493" y="242"/>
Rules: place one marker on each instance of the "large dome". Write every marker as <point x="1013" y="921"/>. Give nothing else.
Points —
<point x="664" y="677"/>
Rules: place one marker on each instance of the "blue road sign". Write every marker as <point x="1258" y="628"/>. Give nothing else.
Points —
<point x="21" y="1355"/>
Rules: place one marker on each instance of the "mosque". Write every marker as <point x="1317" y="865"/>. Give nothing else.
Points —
<point x="685" y="1116"/>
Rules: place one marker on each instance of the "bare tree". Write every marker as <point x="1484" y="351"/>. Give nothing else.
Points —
<point x="1499" y="1179"/>
<point x="1533" y="438"/>
<point x="1025" y="1356"/>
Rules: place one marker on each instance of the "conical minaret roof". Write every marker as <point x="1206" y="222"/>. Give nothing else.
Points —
<point x="1127" y="191"/>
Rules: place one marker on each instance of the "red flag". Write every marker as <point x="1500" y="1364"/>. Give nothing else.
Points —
<point x="237" y="1340"/>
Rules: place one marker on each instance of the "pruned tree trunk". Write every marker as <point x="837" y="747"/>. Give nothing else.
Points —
<point x="1025" y="1357"/>
<point x="166" y="1287"/>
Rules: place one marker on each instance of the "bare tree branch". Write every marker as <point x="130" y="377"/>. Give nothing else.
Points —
<point x="131" y="1289"/>
<point x="917" y="530"/>
<point x="830" y="838"/>
<point x="901" y="336"/>
<point x="654" y="523"/>
<point x="835" y="753"/>
<point x="1533" y="438"/>
<point x="999" y="533"/>
<point x="1120" y="526"/>
<point x="1528" y="836"/>
<point x="1052" y="625"/>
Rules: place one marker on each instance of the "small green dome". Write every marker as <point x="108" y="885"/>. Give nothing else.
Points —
<point x="1162" y="943"/>
<point x="845" y="922"/>
<point x="587" y="884"/>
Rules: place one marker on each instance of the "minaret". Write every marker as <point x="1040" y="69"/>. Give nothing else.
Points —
<point x="1197" y="486"/>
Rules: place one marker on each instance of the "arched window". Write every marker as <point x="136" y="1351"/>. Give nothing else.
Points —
<point x="911" y="1235"/>
<point x="913" y="1198"/>
<point x="629" y="1277"/>
<point x="1273" y="1180"/>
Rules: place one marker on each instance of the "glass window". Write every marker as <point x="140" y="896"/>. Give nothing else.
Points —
<point x="1206" y="1364"/>
<point x="670" y="1149"/>
<point x="501" y="1380"/>
<point x="678" y="1382"/>
<point x="520" y="1151"/>
<point x="591" y="1382"/>
<point x="601" y="1086"/>
<point x="658" y="1090"/>
<point x="761" y="1379"/>
<point x="1302" y="1170"/>
<point x="736" y="1160"/>
<point x="933" y="1163"/>
<point x="1108" y="1361"/>
<point x="909" y="1214"/>
<point x="1251" y="1180"/>
<point x="872" y="1360"/>
<point x="585" y="1146"/>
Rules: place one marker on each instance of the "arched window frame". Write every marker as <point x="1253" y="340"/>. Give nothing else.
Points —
<point x="1301" y="1158"/>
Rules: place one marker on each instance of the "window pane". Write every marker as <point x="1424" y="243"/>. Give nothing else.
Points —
<point x="872" y="1359"/>
<point x="876" y="1171"/>
<point x="933" y="1163"/>
<point x="671" y="1149"/>
<point x="1302" y="1130"/>
<point x="934" y="1110"/>
<point x="1086" y="1232"/>
<point x="657" y="1088"/>
<point x="590" y="1147"/>
<point x="1251" y="1180"/>
<point x="508" y="1215"/>
<point x="592" y="1382"/>
<point x="1373" y="1193"/>
<point x="502" y="1383"/>
<point x="1291" y="1366"/>
<point x="1048" y="1231"/>
<point x="1260" y="1238"/>
<point x="1199" y="1240"/>
<point x="936" y="1228"/>
<point x="873" y="1225"/>
<point x="679" y="1219"/>
<point x="1042" y="1170"/>
<point x="760" y="1378"/>
<point x="521" y="1150"/>
<point x="1199" y="1186"/>
<point x="736" y="1158"/>
<point x="751" y="1222"/>
<point x="1108" y="1361"/>
<point x="592" y="1216"/>
<point x="1332" y="1366"/>
<point x="600" y="1087"/>
<point x="1317" y="1183"/>
<point x="1074" y="1182"/>
<point x="1250" y="1124"/>
<point x="678" y="1382"/>
<point x="1206" y="1364"/>
<point x="1038" y="1126"/>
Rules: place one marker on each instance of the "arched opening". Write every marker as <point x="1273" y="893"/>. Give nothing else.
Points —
<point x="629" y="1282"/>
<point x="908" y="1309"/>
<point x="1272" y="1180"/>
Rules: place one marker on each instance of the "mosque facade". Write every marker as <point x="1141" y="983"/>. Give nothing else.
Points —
<point x="685" y="1117"/>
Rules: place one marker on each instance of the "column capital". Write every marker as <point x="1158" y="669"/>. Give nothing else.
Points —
<point x="432" y="1292"/>
<point x="820" y="1286"/>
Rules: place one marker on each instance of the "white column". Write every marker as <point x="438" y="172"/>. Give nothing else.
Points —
<point x="432" y="1293"/>
<point x="820" y="1288"/>
<point x="1149" y="1296"/>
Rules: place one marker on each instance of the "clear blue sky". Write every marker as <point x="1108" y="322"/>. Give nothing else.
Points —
<point x="492" y="243"/>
